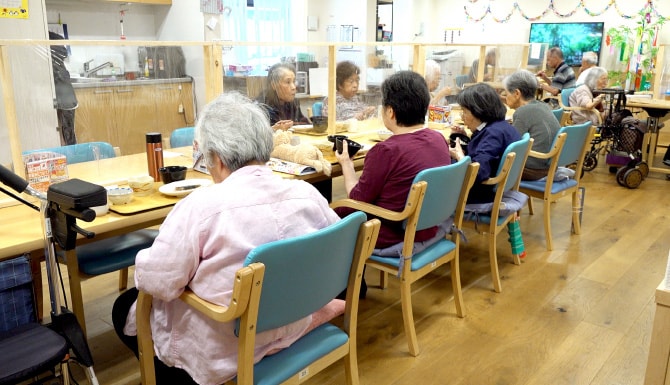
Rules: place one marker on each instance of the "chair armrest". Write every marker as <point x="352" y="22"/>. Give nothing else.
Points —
<point x="244" y="279"/>
<point x="369" y="208"/>
<point x="414" y="197"/>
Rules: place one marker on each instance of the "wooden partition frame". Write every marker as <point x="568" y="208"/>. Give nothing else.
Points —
<point x="213" y="69"/>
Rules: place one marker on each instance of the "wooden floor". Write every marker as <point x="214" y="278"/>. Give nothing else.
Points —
<point x="580" y="314"/>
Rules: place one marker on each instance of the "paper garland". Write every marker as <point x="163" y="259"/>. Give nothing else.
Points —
<point x="552" y="8"/>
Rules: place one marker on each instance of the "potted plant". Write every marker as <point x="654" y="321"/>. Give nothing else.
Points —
<point x="637" y="49"/>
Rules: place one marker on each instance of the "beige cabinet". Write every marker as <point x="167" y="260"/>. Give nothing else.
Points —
<point x="123" y="114"/>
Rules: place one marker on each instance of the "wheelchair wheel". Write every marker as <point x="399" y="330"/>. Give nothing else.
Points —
<point x="644" y="168"/>
<point x="633" y="178"/>
<point x="590" y="162"/>
<point x="620" y="175"/>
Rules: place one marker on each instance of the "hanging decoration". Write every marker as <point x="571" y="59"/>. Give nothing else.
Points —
<point x="552" y="8"/>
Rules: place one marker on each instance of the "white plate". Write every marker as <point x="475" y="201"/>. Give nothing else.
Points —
<point x="171" y="188"/>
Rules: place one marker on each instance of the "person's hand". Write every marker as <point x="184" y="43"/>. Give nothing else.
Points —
<point x="282" y="125"/>
<point x="366" y="113"/>
<point x="456" y="152"/>
<point x="343" y="158"/>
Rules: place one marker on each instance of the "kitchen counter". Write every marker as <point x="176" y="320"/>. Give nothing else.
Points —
<point x="103" y="82"/>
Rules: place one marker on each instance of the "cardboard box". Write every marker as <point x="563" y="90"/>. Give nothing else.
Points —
<point x="45" y="168"/>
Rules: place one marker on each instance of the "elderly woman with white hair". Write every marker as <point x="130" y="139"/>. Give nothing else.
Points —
<point x="531" y="116"/>
<point x="205" y="239"/>
<point x="433" y="76"/>
<point x="589" y="60"/>
<point x="592" y="107"/>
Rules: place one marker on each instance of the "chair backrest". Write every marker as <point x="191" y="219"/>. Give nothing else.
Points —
<point x="558" y="113"/>
<point x="16" y="294"/>
<point x="442" y="193"/>
<point x="575" y="143"/>
<point x="317" y="108"/>
<point x="304" y="273"/>
<point x="521" y="148"/>
<point x="461" y="79"/>
<point x="182" y="137"/>
<point x="565" y="96"/>
<point x="81" y="152"/>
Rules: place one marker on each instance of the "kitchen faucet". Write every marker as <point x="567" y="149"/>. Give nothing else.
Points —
<point x="88" y="72"/>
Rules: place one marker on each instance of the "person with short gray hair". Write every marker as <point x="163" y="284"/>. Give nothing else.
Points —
<point x="204" y="241"/>
<point x="531" y="116"/>
<point x="589" y="60"/>
<point x="582" y="96"/>
<point x="433" y="76"/>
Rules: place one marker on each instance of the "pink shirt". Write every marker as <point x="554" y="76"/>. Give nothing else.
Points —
<point x="201" y="244"/>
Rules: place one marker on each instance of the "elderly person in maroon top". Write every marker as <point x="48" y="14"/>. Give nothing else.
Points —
<point x="390" y="166"/>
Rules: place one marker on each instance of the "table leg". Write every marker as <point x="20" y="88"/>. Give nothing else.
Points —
<point x="75" y="288"/>
<point x="649" y="145"/>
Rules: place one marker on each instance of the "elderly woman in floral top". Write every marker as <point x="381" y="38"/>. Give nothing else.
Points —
<point x="347" y="103"/>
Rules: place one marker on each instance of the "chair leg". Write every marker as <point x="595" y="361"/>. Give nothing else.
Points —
<point x="408" y="317"/>
<point x="547" y="224"/>
<point x="75" y="288"/>
<point x="456" y="286"/>
<point x="530" y="206"/>
<point x="383" y="279"/>
<point x="576" y="209"/>
<point x="123" y="279"/>
<point x="493" y="260"/>
<point x="351" y="367"/>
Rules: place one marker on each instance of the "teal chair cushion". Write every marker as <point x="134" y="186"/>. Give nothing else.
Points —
<point x="113" y="254"/>
<point x="540" y="185"/>
<point x="279" y="367"/>
<point x="423" y="258"/>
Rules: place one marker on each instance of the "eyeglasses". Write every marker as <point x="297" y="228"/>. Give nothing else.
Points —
<point x="352" y="81"/>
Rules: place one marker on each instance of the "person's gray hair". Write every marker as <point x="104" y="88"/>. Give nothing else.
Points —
<point x="432" y="69"/>
<point x="556" y="51"/>
<point x="592" y="77"/>
<point x="590" y="57"/>
<point x="234" y="129"/>
<point x="522" y="80"/>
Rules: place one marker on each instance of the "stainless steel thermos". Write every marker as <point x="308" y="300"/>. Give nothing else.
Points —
<point x="155" y="154"/>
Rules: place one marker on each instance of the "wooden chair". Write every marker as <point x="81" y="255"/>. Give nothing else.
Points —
<point x="282" y="282"/>
<point x="569" y="147"/>
<point x="182" y="137"/>
<point x="564" y="102"/>
<point x="507" y="178"/>
<point x="558" y="113"/>
<point x="436" y="195"/>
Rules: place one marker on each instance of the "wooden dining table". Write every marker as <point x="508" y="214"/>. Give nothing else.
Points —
<point x="21" y="229"/>
<point x="655" y="109"/>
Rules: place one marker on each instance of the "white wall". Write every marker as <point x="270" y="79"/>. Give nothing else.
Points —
<point x="31" y="69"/>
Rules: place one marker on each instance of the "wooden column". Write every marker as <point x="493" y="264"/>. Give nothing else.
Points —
<point x="10" y="110"/>
<point x="213" y="71"/>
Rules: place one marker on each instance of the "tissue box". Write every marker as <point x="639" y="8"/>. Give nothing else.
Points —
<point x="45" y="168"/>
<point x="199" y="160"/>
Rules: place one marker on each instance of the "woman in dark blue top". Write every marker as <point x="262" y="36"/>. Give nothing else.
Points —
<point x="484" y="114"/>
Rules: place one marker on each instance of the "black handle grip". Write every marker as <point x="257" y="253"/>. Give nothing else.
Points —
<point x="12" y="180"/>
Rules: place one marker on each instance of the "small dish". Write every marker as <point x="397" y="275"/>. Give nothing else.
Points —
<point x="120" y="195"/>
<point x="183" y="187"/>
<point x="352" y="147"/>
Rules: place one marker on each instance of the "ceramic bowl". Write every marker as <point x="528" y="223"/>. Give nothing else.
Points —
<point x="334" y="138"/>
<point x="101" y="210"/>
<point x="353" y="147"/>
<point x="171" y="174"/>
<point x="120" y="195"/>
<point x="384" y="134"/>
